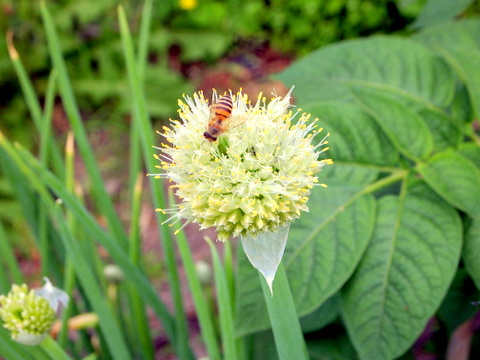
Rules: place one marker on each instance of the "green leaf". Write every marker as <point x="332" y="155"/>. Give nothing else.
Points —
<point x="471" y="151"/>
<point x="459" y="45"/>
<point x="404" y="273"/>
<point x="360" y="148"/>
<point x="467" y="62"/>
<point x="403" y="126"/>
<point x="331" y="346"/>
<point x="321" y="316"/>
<point x="386" y="63"/>
<point x="471" y="250"/>
<point x="452" y="34"/>
<point x="322" y="251"/>
<point x="444" y="129"/>
<point x="354" y="134"/>
<point x="454" y="178"/>
<point x="436" y="11"/>
<point x="459" y="303"/>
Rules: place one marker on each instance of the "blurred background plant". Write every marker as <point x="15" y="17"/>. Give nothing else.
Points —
<point x="186" y="39"/>
<point x="193" y="45"/>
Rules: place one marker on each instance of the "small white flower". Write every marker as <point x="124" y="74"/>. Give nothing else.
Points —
<point x="29" y="314"/>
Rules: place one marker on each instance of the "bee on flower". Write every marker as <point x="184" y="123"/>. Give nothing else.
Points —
<point x="244" y="168"/>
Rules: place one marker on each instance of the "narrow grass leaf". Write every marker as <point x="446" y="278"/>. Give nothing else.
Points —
<point x="9" y="259"/>
<point x="145" y="131"/>
<point x="39" y="177"/>
<point x="100" y="194"/>
<point x="204" y="314"/>
<point x="108" y="324"/>
<point x="52" y="348"/>
<point x="140" y="324"/>
<point x="32" y="102"/>
<point x="224" y="302"/>
<point x="45" y="142"/>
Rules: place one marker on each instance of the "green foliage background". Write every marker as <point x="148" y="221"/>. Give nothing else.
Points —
<point x="88" y="33"/>
<point x="404" y="192"/>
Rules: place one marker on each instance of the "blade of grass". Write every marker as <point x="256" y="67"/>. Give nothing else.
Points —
<point x="230" y="275"/>
<point x="146" y="136"/>
<point x="224" y="302"/>
<point x="32" y="101"/>
<point x="22" y="192"/>
<point x="286" y="328"/>
<point x="203" y="311"/>
<point x="4" y="278"/>
<point x="10" y="260"/>
<point x="69" y="279"/>
<point x="229" y="270"/>
<point x="135" y="243"/>
<point x="51" y="348"/>
<point x="143" y="38"/>
<point x="46" y="124"/>
<point x="45" y="140"/>
<point x="40" y="177"/>
<point x="140" y="326"/>
<point x="99" y="192"/>
<point x="109" y="326"/>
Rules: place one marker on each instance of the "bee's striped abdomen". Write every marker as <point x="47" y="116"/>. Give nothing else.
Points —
<point x="223" y="108"/>
<point x="221" y="112"/>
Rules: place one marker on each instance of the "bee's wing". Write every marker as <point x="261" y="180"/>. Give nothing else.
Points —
<point x="235" y="121"/>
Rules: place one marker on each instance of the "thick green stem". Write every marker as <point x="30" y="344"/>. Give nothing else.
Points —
<point x="283" y="318"/>
<point x="54" y="350"/>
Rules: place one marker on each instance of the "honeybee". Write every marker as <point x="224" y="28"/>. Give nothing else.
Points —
<point x="220" y="118"/>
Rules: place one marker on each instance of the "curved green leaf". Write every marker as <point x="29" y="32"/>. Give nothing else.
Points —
<point x="322" y="316"/>
<point x="471" y="250"/>
<point x="452" y="34"/>
<point x="404" y="273"/>
<point x="471" y="151"/>
<point x="400" y="65"/>
<point x="322" y="251"/>
<point x="403" y="126"/>
<point x="455" y="178"/>
<point x="360" y="148"/>
<point x="436" y="11"/>
<point x="444" y="129"/>
<point x="327" y="244"/>
<point x="459" y="44"/>
<point x="355" y="135"/>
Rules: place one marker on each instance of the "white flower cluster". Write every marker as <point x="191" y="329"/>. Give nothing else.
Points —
<point x="29" y="314"/>
<point x="255" y="178"/>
